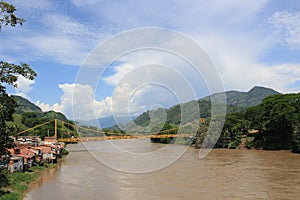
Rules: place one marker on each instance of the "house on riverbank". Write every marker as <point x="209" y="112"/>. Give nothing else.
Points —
<point x="30" y="151"/>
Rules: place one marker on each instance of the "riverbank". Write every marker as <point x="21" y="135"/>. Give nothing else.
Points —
<point x="22" y="182"/>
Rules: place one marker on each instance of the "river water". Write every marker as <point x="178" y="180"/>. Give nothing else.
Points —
<point x="222" y="174"/>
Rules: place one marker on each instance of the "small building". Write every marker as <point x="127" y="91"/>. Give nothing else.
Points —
<point x="50" y="140"/>
<point x="38" y="160"/>
<point x="27" y="161"/>
<point x="16" y="164"/>
<point x="49" y="153"/>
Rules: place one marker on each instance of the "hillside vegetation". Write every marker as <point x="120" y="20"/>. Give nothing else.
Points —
<point x="28" y="115"/>
<point x="274" y="124"/>
<point x="243" y="99"/>
<point x="236" y="102"/>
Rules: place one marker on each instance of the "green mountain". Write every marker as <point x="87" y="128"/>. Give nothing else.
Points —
<point x="236" y="102"/>
<point x="29" y="115"/>
<point x="174" y="115"/>
<point x="243" y="99"/>
<point x="25" y="105"/>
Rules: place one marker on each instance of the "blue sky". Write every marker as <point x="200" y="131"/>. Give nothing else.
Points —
<point x="250" y="42"/>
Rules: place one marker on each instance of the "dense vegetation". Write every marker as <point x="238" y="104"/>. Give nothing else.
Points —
<point x="28" y="115"/>
<point x="272" y="125"/>
<point x="236" y="102"/>
<point x="278" y="122"/>
<point x="259" y="119"/>
<point x="174" y="115"/>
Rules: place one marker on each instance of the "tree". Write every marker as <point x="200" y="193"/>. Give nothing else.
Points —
<point x="9" y="74"/>
<point x="7" y="16"/>
<point x="277" y="118"/>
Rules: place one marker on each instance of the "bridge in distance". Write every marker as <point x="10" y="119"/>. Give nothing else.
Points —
<point x="103" y="135"/>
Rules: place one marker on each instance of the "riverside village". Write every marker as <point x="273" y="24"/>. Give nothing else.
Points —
<point x="31" y="151"/>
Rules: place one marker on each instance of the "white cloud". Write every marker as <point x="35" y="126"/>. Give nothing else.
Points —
<point x="288" y="24"/>
<point x="24" y="86"/>
<point x="62" y="49"/>
<point x="77" y="102"/>
<point x="50" y="34"/>
<point x="86" y="2"/>
<point x="121" y="71"/>
<point x="44" y="106"/>
<point x="60" y="24"/>
<point x="238" y="62"/>
<point x="33" y="5"/>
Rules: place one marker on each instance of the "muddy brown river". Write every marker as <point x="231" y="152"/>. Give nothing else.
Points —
<point x="104" y="173"/>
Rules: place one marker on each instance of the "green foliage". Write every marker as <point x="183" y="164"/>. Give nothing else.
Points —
<point x="9" y="72"/>
<point x="296" y="142"/>
<point x="25" y="106"/>
<point x="29" y="115"/>
<point x="237" y="102"/>
<point x="10" y="196"/>
<point x="249" y="142"/>
<point x="7" y="16"/>
<point x="64" y="152"/>
<point x="7" y="105"/>
<point x="235" y="144"/>
<point x="277" y="118"/>
<point x="174" y="115"/>
<point x="18" y="185"/>
<point x="4" y="182"/>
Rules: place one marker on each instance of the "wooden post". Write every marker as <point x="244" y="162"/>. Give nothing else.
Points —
<point x="55" y="128"/>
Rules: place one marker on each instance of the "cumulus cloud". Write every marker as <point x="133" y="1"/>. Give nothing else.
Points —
<point x="44" y="106"/>
<point x="120" y="72"/>
<point x="24" y="86"/>
<point x="78" y="102"/>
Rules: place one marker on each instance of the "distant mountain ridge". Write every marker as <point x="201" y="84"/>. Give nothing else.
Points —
<point x="108" y="122"/>
<point x="243" y="99"/>
<point x="24" y="105"/>
<point x="236" y="102"/>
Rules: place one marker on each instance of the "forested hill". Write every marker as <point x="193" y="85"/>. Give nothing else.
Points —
<point x="25" y="105"/>
<point x="236" y="102"/>
<point x="244" y="99"/>
<point x="271" y="125"/>
<point x="28" y="115"/>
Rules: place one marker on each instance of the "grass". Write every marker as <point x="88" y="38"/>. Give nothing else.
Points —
<point x="19" y="182"/>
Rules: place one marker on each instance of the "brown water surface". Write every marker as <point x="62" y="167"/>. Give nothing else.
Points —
<point x="223" y="174"/>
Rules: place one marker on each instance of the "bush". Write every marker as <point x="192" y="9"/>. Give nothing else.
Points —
<point x="296" y="143"/>
<point x="64" y="152"/>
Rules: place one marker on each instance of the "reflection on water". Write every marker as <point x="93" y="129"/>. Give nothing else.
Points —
<point x="223" y="174"/>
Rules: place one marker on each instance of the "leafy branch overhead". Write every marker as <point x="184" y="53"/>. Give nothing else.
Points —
<point x="7" y="16"/>
<point x="9" y="72"/>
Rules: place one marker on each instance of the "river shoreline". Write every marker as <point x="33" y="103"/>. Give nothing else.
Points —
<point x="42" y="176"/>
